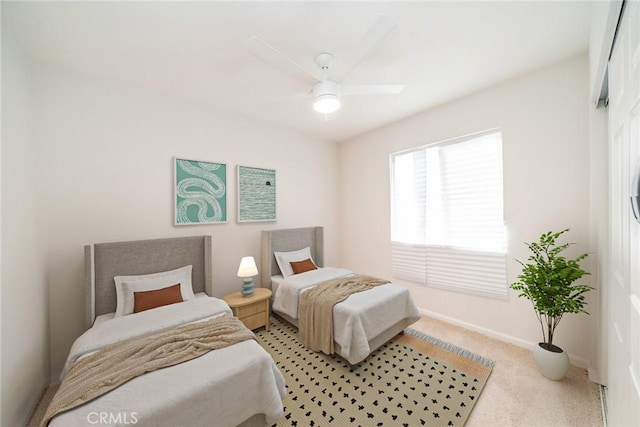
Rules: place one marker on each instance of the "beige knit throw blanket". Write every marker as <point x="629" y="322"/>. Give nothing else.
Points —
<point x="315" y="320"/>
<point x="118" y="363"/>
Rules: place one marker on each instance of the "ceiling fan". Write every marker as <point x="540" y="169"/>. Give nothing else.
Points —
<point x="326" y="89"/>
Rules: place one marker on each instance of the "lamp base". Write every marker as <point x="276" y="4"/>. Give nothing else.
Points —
<point x="247" y="287"/>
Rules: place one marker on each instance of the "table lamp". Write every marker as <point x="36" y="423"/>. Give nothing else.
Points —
<point x="247" y="270"/>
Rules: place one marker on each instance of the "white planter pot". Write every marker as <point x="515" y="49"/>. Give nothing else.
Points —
<point x="551" y="364"/>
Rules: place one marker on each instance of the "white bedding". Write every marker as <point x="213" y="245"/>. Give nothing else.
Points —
<point x="275" y="282"/>
<point x="224" y="387"/>
<point x="356" y="320"/>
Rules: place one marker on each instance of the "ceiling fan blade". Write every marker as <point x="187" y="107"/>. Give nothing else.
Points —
<point x="273" y="56"/>
<point x="286" y="100"/>
<point x="371" y="89"/>
<point x="372" y="40"/>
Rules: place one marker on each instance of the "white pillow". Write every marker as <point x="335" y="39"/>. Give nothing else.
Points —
<point x="284" y="258"/>
<point x="127" y="285"/>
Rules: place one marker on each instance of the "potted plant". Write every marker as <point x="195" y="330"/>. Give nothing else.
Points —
<point x="548" y="281"/>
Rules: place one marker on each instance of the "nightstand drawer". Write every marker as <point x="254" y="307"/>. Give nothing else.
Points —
<point x="248" y="310"/>
<point x="253" y="310"/>
<point x="254" y="321"/>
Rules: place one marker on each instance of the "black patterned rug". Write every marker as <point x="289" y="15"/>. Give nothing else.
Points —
<point x="412" y="380"/>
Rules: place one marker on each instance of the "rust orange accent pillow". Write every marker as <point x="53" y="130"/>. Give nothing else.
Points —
<point x="302" y="266"/>
<point x="146" y="300"/>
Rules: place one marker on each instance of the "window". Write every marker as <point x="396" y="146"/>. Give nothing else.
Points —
<point x="447" y="225"/>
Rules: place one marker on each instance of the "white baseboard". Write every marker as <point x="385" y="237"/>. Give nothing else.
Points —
<point x="575" y="360"/>
<point x="593" y="375"/>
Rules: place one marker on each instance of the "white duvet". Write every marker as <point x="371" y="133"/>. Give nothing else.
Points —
<point x="356" y="320"/>
<point x="224" y="387"/>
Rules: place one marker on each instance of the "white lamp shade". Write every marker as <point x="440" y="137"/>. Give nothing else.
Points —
<point x="327" y="104"/>
<point x="247" y="267"/>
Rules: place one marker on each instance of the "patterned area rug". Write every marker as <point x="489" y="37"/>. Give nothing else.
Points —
<point x="412" y="380"/>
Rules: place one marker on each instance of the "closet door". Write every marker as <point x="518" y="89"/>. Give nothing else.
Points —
<point x="623" y="397"/>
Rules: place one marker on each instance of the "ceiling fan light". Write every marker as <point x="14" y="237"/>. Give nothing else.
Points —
<point x="327" y="103"/>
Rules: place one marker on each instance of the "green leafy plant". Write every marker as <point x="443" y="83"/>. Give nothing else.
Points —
<point x="547" y="280"/>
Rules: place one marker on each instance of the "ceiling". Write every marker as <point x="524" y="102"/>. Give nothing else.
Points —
<point x="195" y="51"/>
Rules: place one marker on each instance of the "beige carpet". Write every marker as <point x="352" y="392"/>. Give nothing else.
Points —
<point x="516" y="395"/>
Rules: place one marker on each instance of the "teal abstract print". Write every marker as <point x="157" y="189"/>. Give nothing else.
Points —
<point x="200" y="192"/>
<point x="256" y="194"/>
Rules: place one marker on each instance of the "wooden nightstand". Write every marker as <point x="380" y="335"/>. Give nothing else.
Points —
<point x="253" y="310"/>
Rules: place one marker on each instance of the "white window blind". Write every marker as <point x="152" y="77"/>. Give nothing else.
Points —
<point x="447" y="215"/>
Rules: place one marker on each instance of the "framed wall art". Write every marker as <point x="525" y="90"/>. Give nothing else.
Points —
<point x="256" y="194"/>
<point x="200" y="192"/>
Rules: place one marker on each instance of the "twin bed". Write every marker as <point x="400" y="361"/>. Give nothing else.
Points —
<point x="235" y="385"/>
<point x="362" y="322"/>
<point x="230" y="386"/>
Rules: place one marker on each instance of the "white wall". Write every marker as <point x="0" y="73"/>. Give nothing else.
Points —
<point x="25" y="346"/>
<point x="108" y="167"/>
<point x="544" y="118"/>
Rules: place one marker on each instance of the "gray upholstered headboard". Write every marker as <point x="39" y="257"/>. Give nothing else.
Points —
<point x="104" y="261"/>
<point x="289" y="239"/>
